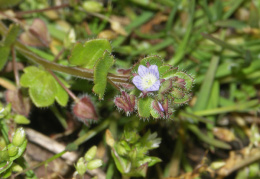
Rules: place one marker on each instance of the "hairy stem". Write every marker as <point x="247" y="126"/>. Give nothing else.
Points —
<point x="75" y="71"/>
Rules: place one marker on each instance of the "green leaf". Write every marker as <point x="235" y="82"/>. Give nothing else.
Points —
<point x="20" y="119"/>
<point x="163" y="69"/>
<point x="11" y="34"/>
<point x="4" y="166"/>
<point x="206" y="87"/>
<point x="169" y="73"/>
<point x="153" y="60"/>
<point x="87" y="54"/>
<point x="154" y="113"/>
<point x="62" y="96"/>
<point x="43" y="88"/>
<point x="9" y="39"/>
<point x="144" y="107"/>
<point x="100" y="73"/>
<point x="4" y="53"/>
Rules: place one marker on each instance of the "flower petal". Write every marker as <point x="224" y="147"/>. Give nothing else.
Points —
<point x="154" y="70"/>
<point x="137" y="80"/>
<point x="154" y="87"/>
<point x="160" y="106"/>
<point x="142" y="70"/>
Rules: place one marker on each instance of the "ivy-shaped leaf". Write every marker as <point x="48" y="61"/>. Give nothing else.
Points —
<point x="100" y="73"/>
<point x="43" y="88"/>
<point x="87" y="54"/>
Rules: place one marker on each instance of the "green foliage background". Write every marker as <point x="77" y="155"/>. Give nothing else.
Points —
<point x="217" y="42"/>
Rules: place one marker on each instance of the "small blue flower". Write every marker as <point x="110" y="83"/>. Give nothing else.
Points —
<point x="147" y="78"/>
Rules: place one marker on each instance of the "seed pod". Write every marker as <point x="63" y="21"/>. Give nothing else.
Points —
<point x="91" y="153"/>
<point x="85" y="110"/>
<point x="94" y="164"/>
<point x="19" y="137"/>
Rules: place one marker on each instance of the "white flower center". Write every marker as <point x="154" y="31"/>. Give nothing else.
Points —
<point x="148" y="80"/>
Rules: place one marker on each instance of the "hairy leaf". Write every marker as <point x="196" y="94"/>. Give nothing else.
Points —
<point x="144" y="107"/>
<point x="87" y="54"/>
<point x="100" y="73"/>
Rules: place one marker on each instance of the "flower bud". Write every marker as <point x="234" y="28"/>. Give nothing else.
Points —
<point x="125" y="102"/>
<point x="92" y="6"/>
<point x="94" y="164"/>
<point x="12" y="150"/>
<point x="91" y="153"/>
<point x="80" y="166"/>
<point x="85" y="110"/>
<point x="19" y="137"/>
<point x="166" y="86"/>
<point x="177" y="93"/>
<point x="179" y="83"/>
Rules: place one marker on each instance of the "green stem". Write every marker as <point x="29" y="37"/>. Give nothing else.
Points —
<point x="75" y="71"/>
<point x="59" y="116"/>
<point x="92" y="132"/>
